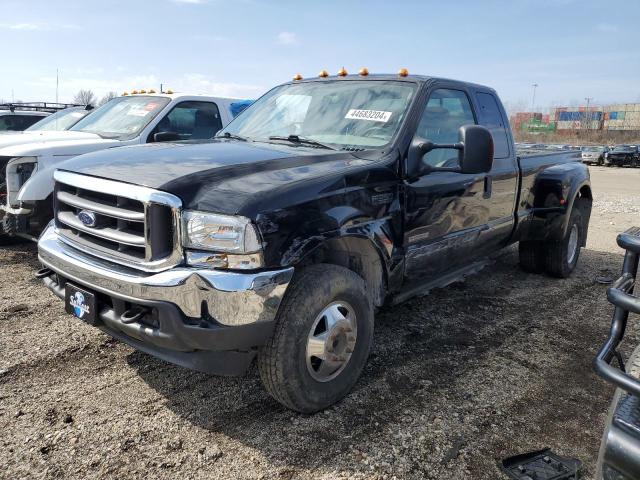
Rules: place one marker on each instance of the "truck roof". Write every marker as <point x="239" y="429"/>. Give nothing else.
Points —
<point x="175" y="95"/>
<point x="421" y="79"/>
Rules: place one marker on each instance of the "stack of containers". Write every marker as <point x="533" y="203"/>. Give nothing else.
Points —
<point x="622" y="116"/>
<point x="578" y="118"/>
<point x="522" y="118"/>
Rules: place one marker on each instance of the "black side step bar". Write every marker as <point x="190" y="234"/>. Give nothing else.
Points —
<point x="620" y="294"/>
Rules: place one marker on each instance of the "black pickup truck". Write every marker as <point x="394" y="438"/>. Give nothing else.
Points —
<point x="278" y="239"/>
<point x="622" y="155"/>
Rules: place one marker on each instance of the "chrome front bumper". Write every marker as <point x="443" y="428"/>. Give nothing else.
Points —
<point x="231" y="299"/>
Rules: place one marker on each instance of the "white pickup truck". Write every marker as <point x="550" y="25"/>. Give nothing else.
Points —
<point x="26" y="170"/>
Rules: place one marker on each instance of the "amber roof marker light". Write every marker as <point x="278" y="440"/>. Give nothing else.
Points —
<point x="342" y="72"/>
<point x="323" y="74"/>
<point x="363" y="72"/>
<point x="403" y="72"/>
<point x="297" y="77"/>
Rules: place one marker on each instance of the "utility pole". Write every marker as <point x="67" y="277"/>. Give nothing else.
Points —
<point x="533" y="99"/>
<point x="588" y="115"/>
<point x="57" y="85"/>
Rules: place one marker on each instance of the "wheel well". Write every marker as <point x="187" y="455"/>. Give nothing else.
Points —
<point x="586" y="201"/>
<point x="358" y="255"/>
<point x="585" y="193"/>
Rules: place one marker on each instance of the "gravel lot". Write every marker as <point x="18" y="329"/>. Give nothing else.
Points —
<point x="492" y="367"/>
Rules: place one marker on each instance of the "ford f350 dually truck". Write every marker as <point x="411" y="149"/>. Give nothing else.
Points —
<point x="26" y="170"/>
<point x="327" y="198"/>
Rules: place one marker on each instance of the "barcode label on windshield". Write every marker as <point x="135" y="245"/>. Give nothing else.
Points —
<point x="372" y="115"/>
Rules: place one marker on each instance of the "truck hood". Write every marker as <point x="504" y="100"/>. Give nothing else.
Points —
<point x="18" y="138"/>
<point x="62" y="144"/>
<point x="223" y="176"/>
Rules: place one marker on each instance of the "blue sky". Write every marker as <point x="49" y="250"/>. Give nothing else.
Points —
<point x="572" y="48"/>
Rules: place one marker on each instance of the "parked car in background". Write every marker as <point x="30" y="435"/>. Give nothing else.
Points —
<point x="27" y="184"/>
<point x="46" y="129"/>
<point x="16" y="117"/>
<point x="324" y="200"/>
<point x="594" y="154"/>
<point x="622" y="155"/>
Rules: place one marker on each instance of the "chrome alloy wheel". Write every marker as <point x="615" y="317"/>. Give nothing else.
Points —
<point x="572" y="247"/>
<point x="331" y="341"/>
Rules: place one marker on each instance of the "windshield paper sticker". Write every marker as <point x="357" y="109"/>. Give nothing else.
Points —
<point x="138" y="111"/>
<point x="372" y="115"/>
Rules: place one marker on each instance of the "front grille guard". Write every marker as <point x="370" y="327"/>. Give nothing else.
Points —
<point x="620" y="294"/>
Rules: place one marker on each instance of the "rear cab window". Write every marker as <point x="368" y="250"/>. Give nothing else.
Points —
<point x="490" y="116"/>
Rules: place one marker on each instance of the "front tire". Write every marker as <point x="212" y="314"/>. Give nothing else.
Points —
<point x="561" y="256"/>
<point x="321" y="341"/>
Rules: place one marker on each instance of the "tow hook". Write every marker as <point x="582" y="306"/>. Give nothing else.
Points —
<point x="44" y="272"/>
<point x="133" y="315"/>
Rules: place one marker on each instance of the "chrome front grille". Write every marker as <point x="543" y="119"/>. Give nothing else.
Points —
<point x="128" y="224"/>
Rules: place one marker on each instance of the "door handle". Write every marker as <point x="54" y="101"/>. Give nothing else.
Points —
<point x="488" y="183"/>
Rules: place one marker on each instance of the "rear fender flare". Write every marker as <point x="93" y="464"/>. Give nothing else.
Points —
<point x="556" y="190"/>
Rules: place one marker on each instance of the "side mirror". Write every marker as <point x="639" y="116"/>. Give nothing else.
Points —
<point x="475" y="152"/>
<point x="477" y="155"/>
<point x="166" y="137"/>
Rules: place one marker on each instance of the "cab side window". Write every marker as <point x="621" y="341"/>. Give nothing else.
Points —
<point x="446" y="111"/>
<point x="491" y="118"/>
<point x="191" y="121"/>
<point x="17" y="123"/>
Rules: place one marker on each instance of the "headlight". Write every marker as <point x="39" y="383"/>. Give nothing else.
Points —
<point x="18" y="171"/>
<point x="234" y="240"/>
<point x="219" y="233"/>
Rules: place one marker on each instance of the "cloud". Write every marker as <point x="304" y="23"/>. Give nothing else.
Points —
<point x="188" y="83"/>
<point x="287" y="38"/>
<point x="199" y="83"/>
<point x="43" y="27"/>
<point x="22" y="26"/>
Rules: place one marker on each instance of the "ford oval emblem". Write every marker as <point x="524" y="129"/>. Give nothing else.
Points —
<point x="88" y="218"/>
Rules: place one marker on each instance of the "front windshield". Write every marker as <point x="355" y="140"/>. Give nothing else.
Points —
<point x="623" y="148"/>
<point x="338" y="113"/>
<point x="122" y="117"/>
<point x="62" y="120"/>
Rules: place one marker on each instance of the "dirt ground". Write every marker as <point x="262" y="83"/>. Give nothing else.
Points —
<point x="492" y="367"/>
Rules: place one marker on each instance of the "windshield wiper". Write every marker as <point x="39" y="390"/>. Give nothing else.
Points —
<point x="302" y="140"/>
<point x="232" y="135"/>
